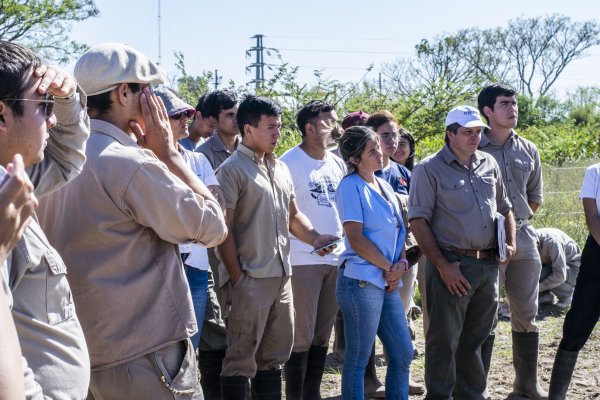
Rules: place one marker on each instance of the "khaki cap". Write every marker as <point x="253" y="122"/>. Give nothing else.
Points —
<point x="104" y="66"/>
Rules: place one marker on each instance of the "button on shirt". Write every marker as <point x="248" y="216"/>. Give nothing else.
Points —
<point x="382" y="224"/>
<point x="521" y="168"/>
<point x="459" y="203"/>
<point x="260" y="193"/>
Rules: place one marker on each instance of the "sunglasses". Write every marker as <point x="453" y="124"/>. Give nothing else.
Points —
<point x="187" y="114"/>
<point x="48" y="102"/>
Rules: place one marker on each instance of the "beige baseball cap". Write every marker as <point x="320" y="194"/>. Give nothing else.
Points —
<point x="104" y="66"/>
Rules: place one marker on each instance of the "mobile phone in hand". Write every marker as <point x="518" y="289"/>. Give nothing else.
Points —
<point x="315" y="251"/>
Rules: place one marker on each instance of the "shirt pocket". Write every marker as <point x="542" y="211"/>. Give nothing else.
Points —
<point x="454" y="195"/>
<point x="488" y="188"/>
<point x="521" y="171"/>
<point x="59" y="303"/>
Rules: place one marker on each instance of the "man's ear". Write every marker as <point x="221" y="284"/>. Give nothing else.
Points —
<point x="121" y="93"/>
<point x="487" y="111"/>
<point x="309" y="128"/>
<point x="4" y="109"/>
<point x="247" y="129"/>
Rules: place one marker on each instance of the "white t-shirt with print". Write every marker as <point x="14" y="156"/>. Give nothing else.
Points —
<point x="591" y="185"/>
<point x="315" y="183"/>
<point x="198" y="163"/>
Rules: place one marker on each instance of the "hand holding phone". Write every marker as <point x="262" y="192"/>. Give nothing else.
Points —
<point x="328" y="245"/>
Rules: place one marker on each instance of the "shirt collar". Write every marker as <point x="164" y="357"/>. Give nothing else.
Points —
<point x="218" y="145"/>
<point x="485" y="139"/>
<point x="448" y="156"/>
<point x="248" y="152"/>
<point x="106" y="128"/>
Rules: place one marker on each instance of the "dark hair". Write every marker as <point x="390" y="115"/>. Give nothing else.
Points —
<point x="201" y="106"/>
<point x="219" y="100"/>
<point x="252" y="108"/>
<point x="410" y="161"/>
<point x="309" y="111"/>
<point x="379" y="118"/>
<point x="101" y="103"/>
<point x="16" y="66"/>
<point x="353" y="143"/>
<point x="488" y="95"/>
<point x="452" y="128"/>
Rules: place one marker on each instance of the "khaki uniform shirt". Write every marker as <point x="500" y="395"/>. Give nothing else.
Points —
<point x="459" y="203"/>
<point x="215" y="150"/>
<point x="120" y="222"/>
<point x="562" y="254"/>
<point x="260" y="196"/>
<point x="50" y="335"/>
<point x="521" y="168"/>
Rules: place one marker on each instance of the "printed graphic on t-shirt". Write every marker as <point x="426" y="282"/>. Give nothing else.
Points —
<point x="323" y="191"/>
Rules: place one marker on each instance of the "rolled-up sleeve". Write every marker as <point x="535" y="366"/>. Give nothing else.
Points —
<point x="64" y="155"/>
<point x="421" y="199"/>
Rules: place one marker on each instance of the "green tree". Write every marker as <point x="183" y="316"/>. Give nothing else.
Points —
<point x="44" y="25"/>
<point x="190" y="88"/>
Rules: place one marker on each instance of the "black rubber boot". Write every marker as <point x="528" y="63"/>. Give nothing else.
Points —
<point x="562" y="371"/>
<point x="233" y="387"/>
<point x="210" y="364"/>
<point x="314" y="373"/>
<point x="294" y="371"/>
<point x="266" y="385"/>
<point x="525" y="360"/>
<point x="373" y="387"/>
<point x="487" y="348"/>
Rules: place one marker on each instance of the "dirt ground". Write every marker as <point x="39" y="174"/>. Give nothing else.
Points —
<point x="584" y="385"/>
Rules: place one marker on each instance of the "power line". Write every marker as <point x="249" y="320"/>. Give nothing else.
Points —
<point x="346" y="51"/>
<point x="345" y="38"/>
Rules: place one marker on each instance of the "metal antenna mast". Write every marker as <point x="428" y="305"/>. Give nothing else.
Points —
<point x="159" y="36"/>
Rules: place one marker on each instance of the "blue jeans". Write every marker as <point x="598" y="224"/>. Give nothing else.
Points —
<point x="369" y="310"/>
<point x="198" y="281"/>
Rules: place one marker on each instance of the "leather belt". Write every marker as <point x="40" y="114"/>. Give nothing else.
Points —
<point x="478" y="254"/>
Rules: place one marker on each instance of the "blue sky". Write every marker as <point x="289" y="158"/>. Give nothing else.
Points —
<point x="341" y="38"/>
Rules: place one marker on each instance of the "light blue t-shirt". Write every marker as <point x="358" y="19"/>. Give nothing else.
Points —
<point x="382" y="224"/>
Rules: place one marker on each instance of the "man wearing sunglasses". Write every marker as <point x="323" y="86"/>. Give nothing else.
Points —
<point x="134" y="202"/>
<point x="42" y="118"/>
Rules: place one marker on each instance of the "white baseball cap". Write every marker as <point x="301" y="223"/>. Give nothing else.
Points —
<point x="465" y="116"/>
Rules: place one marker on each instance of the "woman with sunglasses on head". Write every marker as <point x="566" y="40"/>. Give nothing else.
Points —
<point x="194" y="256"/>
<point x="371" y="268"/>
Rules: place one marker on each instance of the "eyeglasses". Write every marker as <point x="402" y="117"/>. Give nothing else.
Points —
<point x="186" y="114"/>
<point x="388" y="137"/>
<point x="48" y="102"/>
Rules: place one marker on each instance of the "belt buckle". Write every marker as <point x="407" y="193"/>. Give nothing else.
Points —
<point x="362" y="284"/>
<point x="478" y="254"/>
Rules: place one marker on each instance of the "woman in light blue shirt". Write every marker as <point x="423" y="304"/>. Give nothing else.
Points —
<point x="371" y="268"/>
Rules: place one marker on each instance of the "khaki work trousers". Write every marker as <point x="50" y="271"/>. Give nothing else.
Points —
<point x="260" y="325"/>
<point x="314" y="304"/>
<point x="168" y="373"/>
